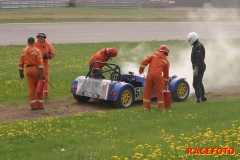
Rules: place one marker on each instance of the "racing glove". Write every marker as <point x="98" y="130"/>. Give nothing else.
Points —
<point x="47" y="56"/>
<point x="21" y="74"/>
<point x="41" y="73"/>
<point x="195" y="71"/>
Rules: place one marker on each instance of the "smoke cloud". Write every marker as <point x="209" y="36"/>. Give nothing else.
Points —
<point x="222" y="55"/>
<point x="137" y="54"/>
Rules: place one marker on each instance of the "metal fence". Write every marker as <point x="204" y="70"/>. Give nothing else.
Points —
<point x="19" y="4"/>
<point x="25" y="4"/>
<point x="123" y="3"/>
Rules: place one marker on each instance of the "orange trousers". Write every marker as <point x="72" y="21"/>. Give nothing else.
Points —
<point x="46" y="74"/>
<point x="33" y="73"/>
<point x="153" y="80"/>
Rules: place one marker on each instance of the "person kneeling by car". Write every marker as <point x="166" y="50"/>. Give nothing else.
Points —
<point x="102" y="55"/>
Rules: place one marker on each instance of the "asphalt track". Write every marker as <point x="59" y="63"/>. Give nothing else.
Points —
<point x="94" y="32"/>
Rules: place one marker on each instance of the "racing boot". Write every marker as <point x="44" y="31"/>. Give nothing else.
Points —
<point x="146" y="107"/>
<point x="161" y="106"/>
<point x="40" y="104"/>
<point x="203" y="99"/>
<point x="33" y="106"/>
<point x="46" y="94"/>
<point x="198" y="100"/>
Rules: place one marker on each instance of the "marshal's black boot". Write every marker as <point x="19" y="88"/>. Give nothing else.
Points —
<point x="198" y="100"/>
<point x="203" y="99"/>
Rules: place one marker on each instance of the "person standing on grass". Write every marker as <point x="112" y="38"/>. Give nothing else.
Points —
<point x="31" y="57"/>
<point x="48" y="53"/>
<point x="158" y="76"/>
<point x="198" y="65"/>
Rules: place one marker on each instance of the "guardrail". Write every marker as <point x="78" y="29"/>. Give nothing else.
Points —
<point x="14" y="4"/>
<point x="123" y="3"/>
<point x="156" y="3"/>
<point x="109" y="3"/>
<point x="19" y="4"/>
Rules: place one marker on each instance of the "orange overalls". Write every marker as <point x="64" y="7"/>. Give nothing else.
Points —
<point x="99" y="56"/>
<point x="45" y="48"/>
<point x="31" y="57"/>
<point x="157" y="76"/>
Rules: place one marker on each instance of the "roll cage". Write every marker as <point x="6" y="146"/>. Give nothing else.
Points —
<point x="112" y="68"/>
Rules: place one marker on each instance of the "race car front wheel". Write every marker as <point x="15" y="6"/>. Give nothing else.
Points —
<point x="126" y="98"/>
<point x="82" y="99"/>
<point x="182" y="91"/>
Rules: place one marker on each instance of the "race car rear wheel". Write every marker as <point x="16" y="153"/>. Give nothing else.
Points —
<point x="126" y="98"/>
<point x="82" y="99"/>
<point x="182" y="91"/>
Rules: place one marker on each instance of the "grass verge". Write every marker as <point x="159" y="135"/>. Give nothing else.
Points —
<point x="71" y="61"/>
<point x="81" y="14"/>
<point x="128" y="134"/>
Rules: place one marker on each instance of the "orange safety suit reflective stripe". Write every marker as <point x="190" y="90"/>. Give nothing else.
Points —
<point x="46" y="48"/>
<point x="31" y="57"/>
<point x="99" y="56"/>
<point x="157" y="76"/>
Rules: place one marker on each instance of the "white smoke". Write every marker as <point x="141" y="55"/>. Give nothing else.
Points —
<point x="222" y="55"/>
<point x="210" y="13"/>
<point x="183" y="67"/>
<point x="136" y="55"/>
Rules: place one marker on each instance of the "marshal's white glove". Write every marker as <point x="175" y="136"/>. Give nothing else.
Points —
<point x="195" y="71"/>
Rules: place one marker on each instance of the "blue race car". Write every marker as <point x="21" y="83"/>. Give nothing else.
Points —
<point x="122" y="89"/>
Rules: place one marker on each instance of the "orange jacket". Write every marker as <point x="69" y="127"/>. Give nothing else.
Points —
<point x="31" y="56"/>
<point x="45" y="48"/>
<point x="99" y="56"/>
<point x="159" y="64"/>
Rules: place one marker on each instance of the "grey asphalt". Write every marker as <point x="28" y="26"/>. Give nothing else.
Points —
<point x="94" y="32"/>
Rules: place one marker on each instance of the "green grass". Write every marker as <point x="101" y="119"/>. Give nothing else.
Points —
<point x="90" y="11"/>
<point x="123" y="134"/>
<point x="51" y="20"/>
<point x="163" y="15"/>
<point x="127" y="133"/>
<point x="71" y="60"/>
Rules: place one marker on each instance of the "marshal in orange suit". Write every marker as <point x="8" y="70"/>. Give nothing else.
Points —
<point x="31" y="58"/>
<point x="102" y="55"/>
<point x="48" y="53"/>
<point x="157" y="76"/>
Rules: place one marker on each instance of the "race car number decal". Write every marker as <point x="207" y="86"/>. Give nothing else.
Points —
<point x="89" y="94"/>
<point x="137" y="93"/>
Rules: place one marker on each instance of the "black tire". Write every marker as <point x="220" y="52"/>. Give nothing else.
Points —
<point x="182" y="91"/>
<point x="82" y="99"/>
<point x="126" y="98"/>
